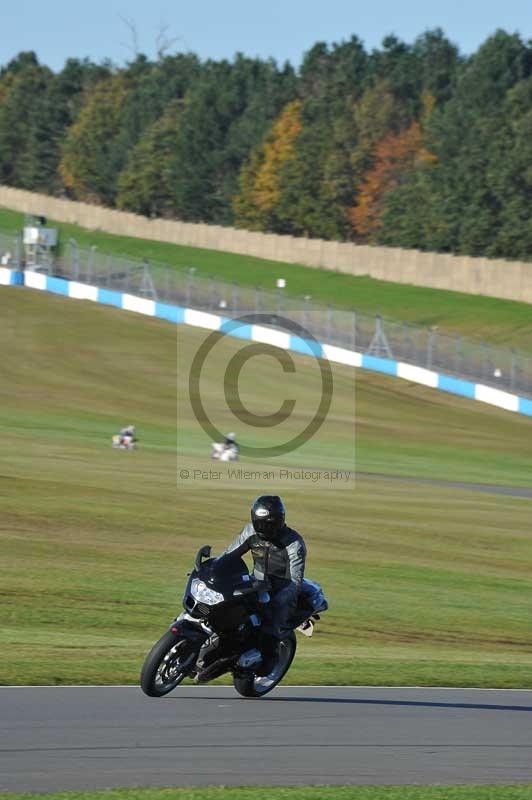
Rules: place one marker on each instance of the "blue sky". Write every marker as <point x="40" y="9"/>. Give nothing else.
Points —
<point x="284" y="29"/>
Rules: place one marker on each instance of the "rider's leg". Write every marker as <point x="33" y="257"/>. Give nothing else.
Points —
<point x="283" y="605"/>
<point x="276" y="624"/>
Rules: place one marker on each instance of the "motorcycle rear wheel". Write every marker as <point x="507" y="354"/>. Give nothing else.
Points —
<point x="166" y="665"/>
<point x="254" y="686"/>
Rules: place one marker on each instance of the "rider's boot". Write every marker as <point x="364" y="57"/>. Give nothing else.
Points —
<point x="306" y="627"/>
<point x="270" y="652"/>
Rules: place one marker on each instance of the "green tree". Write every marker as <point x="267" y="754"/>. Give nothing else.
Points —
<point x="438" y="62"/>
<point x="461" y="200"/>
<point x="226" y="113"/>
<point x="316" y="185"/>
<point x="59" y="108"/>
<point x="397" y="64"/>
<point x="92" y="152"/>
<point x="510" y="176"/>
<point x="24" y="85"/>
<point x="152" y="86"/>
<point x="147" y="184"/>
<point x="293" y="153"/>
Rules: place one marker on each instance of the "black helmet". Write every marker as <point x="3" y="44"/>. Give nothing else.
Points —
<point x="267" y="516"/>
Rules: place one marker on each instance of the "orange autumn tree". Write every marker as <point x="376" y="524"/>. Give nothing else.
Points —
<point x="396" y="155"/>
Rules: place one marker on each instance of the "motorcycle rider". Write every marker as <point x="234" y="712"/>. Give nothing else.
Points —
<point x="229" y="443"/>
<point x="279" y="555"/>
<point x="128" y="431"/>
<point x="230" y="440"/>
<point x="228" y="450"/>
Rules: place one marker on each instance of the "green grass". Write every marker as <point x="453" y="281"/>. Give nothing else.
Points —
<point x="513" y="792"/>
<point x="501" y="322"/>
<point x="427" y="585"/>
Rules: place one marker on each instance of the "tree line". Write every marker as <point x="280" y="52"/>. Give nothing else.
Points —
<point x="410" y="145"/>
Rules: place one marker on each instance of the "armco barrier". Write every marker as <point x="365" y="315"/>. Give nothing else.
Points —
<point x="258" y="333"/>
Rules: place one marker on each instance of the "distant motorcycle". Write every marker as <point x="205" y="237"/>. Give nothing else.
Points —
<point x="127" y="442"/>
<point x="220" y="631"/>
<point x="224" y="452"/>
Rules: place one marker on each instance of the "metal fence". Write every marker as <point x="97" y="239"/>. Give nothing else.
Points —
<point x="10" y="250"/>
<point x="473" y="360"/>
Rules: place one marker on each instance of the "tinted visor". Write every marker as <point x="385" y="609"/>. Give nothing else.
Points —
<point x="267" y="527"/>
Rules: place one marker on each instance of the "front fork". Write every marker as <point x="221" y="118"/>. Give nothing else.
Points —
<point x="193" y="631"/>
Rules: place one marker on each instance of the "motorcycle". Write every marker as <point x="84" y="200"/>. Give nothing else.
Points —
<point x="127" y="442"/>
<point x="224" y="452"/>
<point x="220" y="630"/>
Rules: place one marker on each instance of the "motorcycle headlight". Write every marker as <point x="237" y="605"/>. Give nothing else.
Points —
<point x="201" y="592"/>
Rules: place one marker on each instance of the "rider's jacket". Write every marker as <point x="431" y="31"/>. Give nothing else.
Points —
<point x="282" y="561"/>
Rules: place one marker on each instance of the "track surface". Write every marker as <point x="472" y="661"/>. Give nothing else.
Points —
<point x="489" y="488"/>
<point x="93" y="737"/>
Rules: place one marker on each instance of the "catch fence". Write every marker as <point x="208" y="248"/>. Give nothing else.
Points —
<point x="459" y="356"/>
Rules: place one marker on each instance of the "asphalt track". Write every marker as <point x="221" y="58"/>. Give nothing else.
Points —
<point x="71" y="738"/>
<point x="488" y="488"/>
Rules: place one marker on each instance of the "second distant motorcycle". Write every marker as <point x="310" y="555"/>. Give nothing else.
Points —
<point x="228" y="450"/>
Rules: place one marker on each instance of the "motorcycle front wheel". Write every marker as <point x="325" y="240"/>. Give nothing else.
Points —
<point x="252" y="685"/>
<point x="167" y="664"/>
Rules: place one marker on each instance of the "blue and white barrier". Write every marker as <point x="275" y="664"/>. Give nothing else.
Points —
<point x="259" y="333"/>
<point x="10" y="277"/>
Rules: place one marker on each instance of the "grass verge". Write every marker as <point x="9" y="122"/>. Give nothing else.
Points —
<point x="427" y="585"/>
<point x="502" y="322"/>
<point x="494" y="792"/>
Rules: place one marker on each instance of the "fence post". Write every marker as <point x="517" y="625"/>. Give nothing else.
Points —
<point x="305" y="310"/>
<point x="485" y="369"/>
<point x="513" y="370"/>
<point x="90" y="263"/>
<point x="235" y="299"/>
<point x="405" y="341"/>
<point x="354" y="329"/>
<point x="329" y="322"/>
<point x="257" y="299"/>
<point x="18" y="251"/>
<point x="74" y="257"/>
<point x="430" y="345"/>
<point x="458" y="355"/>
<point x="190" y="279"/>
<point x="109" y="269"/>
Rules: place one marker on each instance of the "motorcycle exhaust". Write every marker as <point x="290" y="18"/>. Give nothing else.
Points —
<point x="213" y="671"/>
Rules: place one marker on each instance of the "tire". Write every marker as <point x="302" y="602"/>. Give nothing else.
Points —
<point x="166" y="665"/>
<point x="254" y="686"/>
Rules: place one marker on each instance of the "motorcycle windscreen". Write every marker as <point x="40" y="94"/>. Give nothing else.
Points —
<point x="225" y="572"/>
